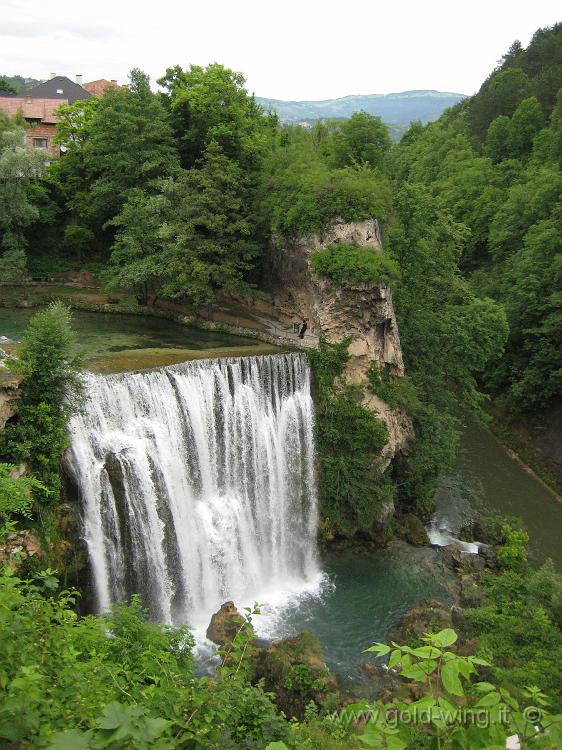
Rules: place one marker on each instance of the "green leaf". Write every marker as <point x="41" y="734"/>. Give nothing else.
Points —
<point x="490" y="699"/>
<point x="447" y="707"/>
<point x="116" y="715"/>
<point x="153" y="728"/>
<point x="277" y="746"/>
<point x="395" y="743"/>
<point x="394" y="658"/>
<point x="378" y="648"/>
<point x="71" y="739"/>
<point x="484" y="687"/>
<point x="450" y="678"/>
<point x="414" y="672"/>
<point x="426" y="652"/>
<point x="424" y="703"/>
<point x="444" y="638"/>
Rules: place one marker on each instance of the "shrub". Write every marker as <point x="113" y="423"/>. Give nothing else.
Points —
<point x="350" y="265"/>
<point x="399" y="393"/>
<point x="350" y="439"/>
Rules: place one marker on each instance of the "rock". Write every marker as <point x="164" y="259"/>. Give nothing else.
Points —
<point x="429" y="616"/>
<point x="455" y="557"/>
<point x="9" y="394"/>
<point x="84" y="278"/>
<point x="412" y="530"/>
<point x="490" y="556"/>
<point x="365" y="313"/>
<point x="225" y="624"/>
<point x="470" y="594"/>
<point x="19" y="546"/>
<point x="293" y="669"/>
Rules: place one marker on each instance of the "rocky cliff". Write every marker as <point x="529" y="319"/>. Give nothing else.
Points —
<point x="9" y="384"/>
<point x="365" y="313"/>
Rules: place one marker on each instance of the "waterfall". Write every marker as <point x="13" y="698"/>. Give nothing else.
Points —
<point x="196" y="483"/>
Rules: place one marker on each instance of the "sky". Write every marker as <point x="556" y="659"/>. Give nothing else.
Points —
<point x="287" y="49"/>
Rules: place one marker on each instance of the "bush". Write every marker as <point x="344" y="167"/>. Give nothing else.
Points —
<point x="350" y="265"/>
<point x="350" y="439"/>
<point x="13" y="267"/>
<point x="399" y="393"/>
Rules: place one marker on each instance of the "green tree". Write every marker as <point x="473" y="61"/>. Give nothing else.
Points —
<point x="362" y="139"/>
<point x="190" y="239"/>
<point x="500" y="95"/>
<point x="496" y="146"/>
<point x="19" y="166"/>
<point x="525" y="124"/>
<point x="48" y="362"/>
<point x="6" y="87"/>
<point x="211" y="105"/>
<point x="129" y="145"/>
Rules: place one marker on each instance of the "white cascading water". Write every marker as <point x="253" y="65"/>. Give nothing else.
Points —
<point x="197" y="483"/>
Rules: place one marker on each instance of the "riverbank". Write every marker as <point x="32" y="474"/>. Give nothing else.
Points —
<point x="535" y="441"/>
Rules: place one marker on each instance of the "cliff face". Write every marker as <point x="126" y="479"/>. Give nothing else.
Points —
<point x="9" y="383"/>
<point x="365" y="313"/>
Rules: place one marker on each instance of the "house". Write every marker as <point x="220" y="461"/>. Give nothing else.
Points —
<point x="97" y="88"/>
<point x="40" y="103"/>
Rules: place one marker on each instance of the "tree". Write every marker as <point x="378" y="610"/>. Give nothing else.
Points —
<point x="129" y="145"/>
<point x="48" y="362"/>
<point x="19" y="166"/>
<point x="496" y="145"/>
<point x="525" y="124"/>
<point x="137" y="254"/>
<point x="212" y="105"/>
<point x="6" y="87"/>
<point x="191" y="238"/>
<point x="363" y="139"/>
<point x="500" y="95"/>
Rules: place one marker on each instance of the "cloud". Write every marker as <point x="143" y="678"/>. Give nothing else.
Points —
<point x="36" y="30"/>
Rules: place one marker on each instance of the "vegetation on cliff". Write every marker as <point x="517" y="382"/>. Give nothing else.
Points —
<point x="352" y="484"/>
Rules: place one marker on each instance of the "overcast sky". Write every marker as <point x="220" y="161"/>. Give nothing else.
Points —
<point x="287" y="49"/>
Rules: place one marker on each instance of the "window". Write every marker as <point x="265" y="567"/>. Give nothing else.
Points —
<point x="40" y="143"/>
<point x="60" y="91"/>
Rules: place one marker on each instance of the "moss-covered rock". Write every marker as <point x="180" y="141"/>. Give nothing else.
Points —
<point x="293" y="669"/>
<point x="412" y="530"/>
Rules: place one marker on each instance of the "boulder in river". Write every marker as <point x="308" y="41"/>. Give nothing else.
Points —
<point x="225" y="624"/>
<point x="412" y="530"/>
<point x="293" y="669"/>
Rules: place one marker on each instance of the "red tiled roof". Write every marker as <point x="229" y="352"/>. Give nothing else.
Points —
<point x="32" y="109"/>
<point x="97" y="88"/>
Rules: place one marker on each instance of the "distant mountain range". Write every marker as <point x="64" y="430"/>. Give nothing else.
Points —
<point x="395" y="109"/>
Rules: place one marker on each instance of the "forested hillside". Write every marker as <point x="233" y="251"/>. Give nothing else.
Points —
<point x="491" y="165"/>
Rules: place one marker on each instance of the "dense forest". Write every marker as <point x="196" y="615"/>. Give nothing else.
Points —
<point x="174" y="195"/>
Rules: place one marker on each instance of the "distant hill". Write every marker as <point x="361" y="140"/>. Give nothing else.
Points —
<point x="395" y="109"/>
<point x="20" y="83"/>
